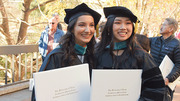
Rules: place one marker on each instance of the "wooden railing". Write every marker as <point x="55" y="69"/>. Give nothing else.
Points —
<point x="18" y="63"/>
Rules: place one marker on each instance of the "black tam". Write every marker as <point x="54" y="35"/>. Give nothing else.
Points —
<point x="79" y="10"/>
<point x="119" y="11"/>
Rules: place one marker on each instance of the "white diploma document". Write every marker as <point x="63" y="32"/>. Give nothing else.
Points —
<point x="64" y="84"/>
<point x="166" y="67"/>
<point x="116" y="85"/>
<point x="55" y="45"/>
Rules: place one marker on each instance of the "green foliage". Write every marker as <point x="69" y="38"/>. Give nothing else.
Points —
<point x="2" y="64"/>
<point x="3" y="61"/>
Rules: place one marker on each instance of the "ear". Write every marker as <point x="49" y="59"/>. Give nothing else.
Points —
<point x="171" y="29"/>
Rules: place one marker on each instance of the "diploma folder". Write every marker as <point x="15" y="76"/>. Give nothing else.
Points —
<point x="65" y="84"/>
<point x="116" y="85"/>
<point x="166" y="67"/>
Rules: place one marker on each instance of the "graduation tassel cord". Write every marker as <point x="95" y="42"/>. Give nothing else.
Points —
<point x="136" y="27"/>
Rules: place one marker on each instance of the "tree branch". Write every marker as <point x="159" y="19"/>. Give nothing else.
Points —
<point x="44" y="3"/>
<point x="99" y="3"/>
<point x="38" y="23"/>
<point x="7" y="36"/>
<point x="1" y="26"/>
<point x="34" y="24"/>
<point x="175" y="9"/>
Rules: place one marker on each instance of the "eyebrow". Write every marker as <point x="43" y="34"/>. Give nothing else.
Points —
<point x="52" y="22"/>
<point x="85" y="22"/>
<point x="121" y="20"/>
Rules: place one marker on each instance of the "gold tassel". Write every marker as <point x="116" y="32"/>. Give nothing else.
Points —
<point x="97" y="30"/>
<point x="136" y="27"/>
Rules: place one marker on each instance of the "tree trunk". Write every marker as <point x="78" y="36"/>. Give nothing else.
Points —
<point x="24" y="24"/>
<point x="5" y="24"/>
<point x="4" y="29"/>
<point x="23" y="30"/>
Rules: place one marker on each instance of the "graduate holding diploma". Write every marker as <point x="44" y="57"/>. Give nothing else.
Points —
<point x="77" y="45"/>
<point x="119" y="50"/>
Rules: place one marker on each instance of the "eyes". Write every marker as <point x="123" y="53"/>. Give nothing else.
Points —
<point x="84" y="24"/>
<point x="51" y="23"/>
<point x="121" y="22"/>
<point x="164" y="24"/>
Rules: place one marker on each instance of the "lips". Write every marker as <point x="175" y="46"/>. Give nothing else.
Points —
<point x="86" y="35"/>
<point x="123" y="33"/>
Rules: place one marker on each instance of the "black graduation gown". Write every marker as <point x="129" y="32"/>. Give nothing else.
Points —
<point x="54" y="61"/>
<point x="152" y="87"/>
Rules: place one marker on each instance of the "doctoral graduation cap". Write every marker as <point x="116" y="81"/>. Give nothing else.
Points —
<point x="79" y="10"/>
<point x="119" y="11"/>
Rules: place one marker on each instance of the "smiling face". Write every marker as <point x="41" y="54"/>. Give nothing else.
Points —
<point x="122" y="28"/>
<point x="84" y="29"/>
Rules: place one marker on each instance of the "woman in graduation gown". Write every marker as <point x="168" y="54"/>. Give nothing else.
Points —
<point x="119" y="50"/>
<point x="77" y="45"/>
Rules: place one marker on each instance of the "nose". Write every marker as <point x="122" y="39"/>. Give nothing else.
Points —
<point x="161" y="27"/>
<point x="87" y="29"/>
<point x="122" y="26"/>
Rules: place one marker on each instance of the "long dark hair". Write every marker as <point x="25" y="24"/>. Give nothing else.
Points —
<point x="67" y="43"/>
<point x="107" y="38"/>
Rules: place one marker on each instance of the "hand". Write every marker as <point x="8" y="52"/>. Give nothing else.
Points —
<point x="166" y="81"/>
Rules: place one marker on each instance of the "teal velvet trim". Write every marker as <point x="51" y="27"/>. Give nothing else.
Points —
<point x="119" y="45"/>
<point x="80" y="50"/>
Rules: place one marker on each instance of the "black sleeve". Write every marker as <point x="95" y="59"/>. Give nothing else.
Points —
<point x="33" y="98"/>
<point x="53" y="60"/>
<point x="175" y="73"/>
<point x="153" y="87"/>
<point x="150" y="40"/>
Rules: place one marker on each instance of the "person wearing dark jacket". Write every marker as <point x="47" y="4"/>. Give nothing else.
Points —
<point x="119" y="50"/>
<point x="167" y="44"/>
<point x="77" y="45"/>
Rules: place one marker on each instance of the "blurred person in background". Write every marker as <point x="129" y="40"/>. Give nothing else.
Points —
<point x="143" y="41"/>
<point x="167" y="44"/>
<point x="56" y="15"/>
<point x="101" y="28"/>
<point x="49" y="38"/>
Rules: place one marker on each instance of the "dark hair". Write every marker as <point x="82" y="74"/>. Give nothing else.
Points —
<point x="68" y="42"/>
<point x="107" y="38"/>
<point x="143" y="41"/>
